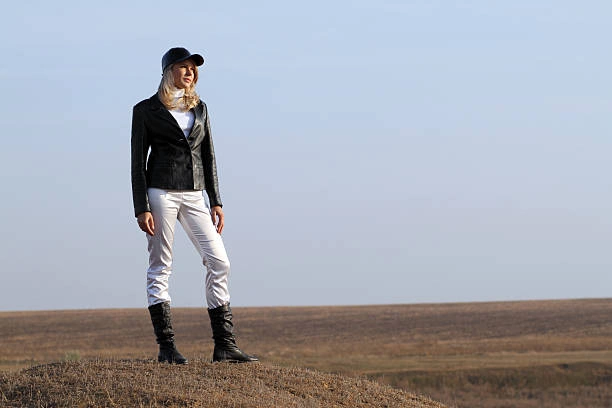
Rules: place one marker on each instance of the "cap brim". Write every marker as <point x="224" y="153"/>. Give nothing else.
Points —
<point x="197" y="58"/>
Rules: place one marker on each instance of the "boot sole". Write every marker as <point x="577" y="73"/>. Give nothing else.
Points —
<point x="172" y="362"/>
<point x="235" y="361"/>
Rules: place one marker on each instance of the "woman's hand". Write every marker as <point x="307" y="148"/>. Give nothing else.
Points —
<point x="145" y="222"/>
<point x="216" y="213"/>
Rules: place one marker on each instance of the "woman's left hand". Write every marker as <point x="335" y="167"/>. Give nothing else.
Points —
<point x="216" y="213"/>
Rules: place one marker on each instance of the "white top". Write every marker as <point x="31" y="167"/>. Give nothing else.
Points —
<point x="184" y="118"/>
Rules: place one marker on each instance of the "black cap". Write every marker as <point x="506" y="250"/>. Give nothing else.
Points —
<point x="178" y="54"/>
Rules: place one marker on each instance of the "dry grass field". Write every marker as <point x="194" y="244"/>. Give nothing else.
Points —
<point x="541" y="354"/>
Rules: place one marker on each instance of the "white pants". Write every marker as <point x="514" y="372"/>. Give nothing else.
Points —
<point x="192" y="212"/>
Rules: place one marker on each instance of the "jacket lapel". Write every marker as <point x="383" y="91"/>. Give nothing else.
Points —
<point x="197" y="123"/>
<point x="161" y="112"/>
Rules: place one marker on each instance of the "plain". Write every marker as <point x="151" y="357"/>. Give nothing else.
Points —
<point x="546" y="354"/>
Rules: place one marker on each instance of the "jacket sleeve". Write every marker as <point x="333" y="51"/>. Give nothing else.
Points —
<point x="210" y="165"/>
<point x="140" y="149"/>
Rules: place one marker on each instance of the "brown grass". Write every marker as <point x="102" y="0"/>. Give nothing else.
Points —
<point x="563" y="385"/>
<point x="402" y="345"/>
<point x="199" y="384"/>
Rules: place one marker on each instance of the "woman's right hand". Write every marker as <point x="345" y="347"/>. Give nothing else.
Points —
<point x="145" y="222"/>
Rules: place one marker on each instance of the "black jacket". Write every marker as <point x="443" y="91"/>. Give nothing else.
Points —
<point x="175" y="162"/>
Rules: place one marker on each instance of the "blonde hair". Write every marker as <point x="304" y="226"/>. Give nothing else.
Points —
<point x="166" y="90"/>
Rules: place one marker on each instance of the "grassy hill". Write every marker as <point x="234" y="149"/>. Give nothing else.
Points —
<point x="131" y="383"/>
<point x="543" y="354"/>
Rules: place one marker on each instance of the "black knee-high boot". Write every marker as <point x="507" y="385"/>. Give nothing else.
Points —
<point x="162" y="326"/>
<point x="223" y="334"/>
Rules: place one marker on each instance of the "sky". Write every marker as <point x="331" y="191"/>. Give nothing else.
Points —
<point x="368" y="152"/>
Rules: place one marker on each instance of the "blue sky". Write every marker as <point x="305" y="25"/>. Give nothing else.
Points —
<point x="369" y="152"/>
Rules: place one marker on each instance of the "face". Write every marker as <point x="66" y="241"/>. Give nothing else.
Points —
<point x="184" y="73"/>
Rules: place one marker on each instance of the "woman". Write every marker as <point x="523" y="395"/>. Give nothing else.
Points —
<point x="173" y="163"/>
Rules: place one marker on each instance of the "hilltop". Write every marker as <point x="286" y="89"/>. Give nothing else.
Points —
<point x="133" y="383"/>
